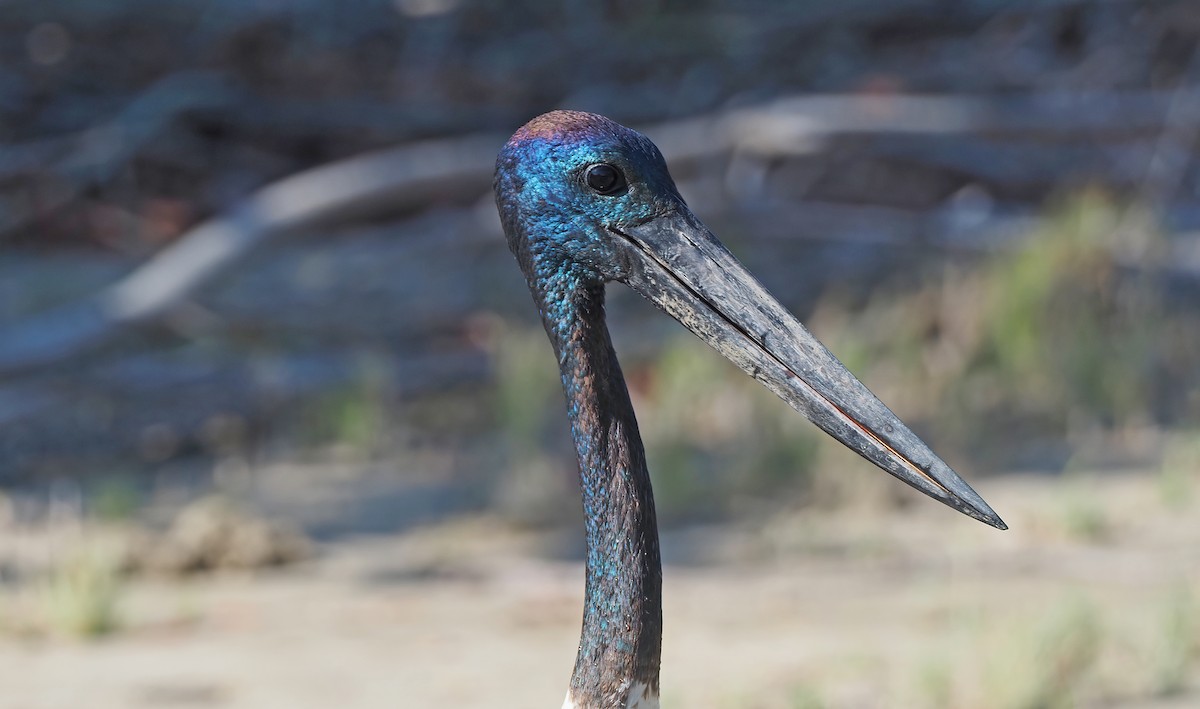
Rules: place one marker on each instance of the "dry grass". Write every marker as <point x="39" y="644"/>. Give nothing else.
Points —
<point x="80" y="596"/>
<point x="833" y="608"/>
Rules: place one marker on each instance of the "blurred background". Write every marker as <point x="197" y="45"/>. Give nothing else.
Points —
<point x="279" y="426"/>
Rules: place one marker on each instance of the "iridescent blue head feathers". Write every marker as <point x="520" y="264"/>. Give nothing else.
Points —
<point x="552" y="215"/>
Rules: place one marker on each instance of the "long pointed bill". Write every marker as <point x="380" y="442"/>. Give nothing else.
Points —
<point x="677" y="263"/>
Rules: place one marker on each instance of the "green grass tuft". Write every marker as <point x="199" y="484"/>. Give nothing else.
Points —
<point x="805" y="697"/>
<point x="1083" y="516"/>
<point x="1172" y="658"/>
<point x="79" y="598"/>
<point x="115" y="498"/>
<point x="1047" y="664"/>
<point x="935" y="685"/>
<point x="1178" y="470"/>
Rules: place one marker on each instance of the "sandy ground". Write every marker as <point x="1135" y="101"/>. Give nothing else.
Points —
<point x="915" y="607"/>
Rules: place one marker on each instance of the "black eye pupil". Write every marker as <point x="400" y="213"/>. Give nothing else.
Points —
<point x="605" y="179"/>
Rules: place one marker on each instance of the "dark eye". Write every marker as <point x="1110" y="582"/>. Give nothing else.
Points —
<point x="605" y="178"/>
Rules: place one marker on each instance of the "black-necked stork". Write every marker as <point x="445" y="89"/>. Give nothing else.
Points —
<point x="585" y="201"/>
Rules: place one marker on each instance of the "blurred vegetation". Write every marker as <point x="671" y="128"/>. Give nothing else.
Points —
<point x="935" y="684"/>
<point x="528" y="412"/>
<point x="1179" y="635"/>
<point x="80" y="595"/>
<point x="115" y="498"/>
<point x="353" y="417"/>
<point x="1066" y="650"/>
<point x="1064" y="335"/>
<point x="1071" y="649"/>
<point x="1179" y="469"/>
<point x="1067" y="334"/>
<point x="1058" y="340"/>
<point x="1044" y="662"/>
<point x="348" y="350"/>
<point x="1083" y="517"/>
<point x="1062" y="338"/>
<point x="714" y="437"/>
<point x="804" y="697"/>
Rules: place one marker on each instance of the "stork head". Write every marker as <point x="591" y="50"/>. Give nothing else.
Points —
<point x="567" y="179"/>
<point x="586" y="200"/>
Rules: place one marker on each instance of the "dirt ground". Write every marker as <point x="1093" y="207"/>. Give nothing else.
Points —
<point x="1086" y="601"/>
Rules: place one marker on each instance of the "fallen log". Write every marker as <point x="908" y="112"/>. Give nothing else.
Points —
<point x="414" y="175"/>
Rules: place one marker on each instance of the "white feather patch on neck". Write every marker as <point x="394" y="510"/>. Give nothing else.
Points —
<point x="639" y="698"/>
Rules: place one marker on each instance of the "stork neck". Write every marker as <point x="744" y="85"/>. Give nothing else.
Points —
<point x="619" y="650"/>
